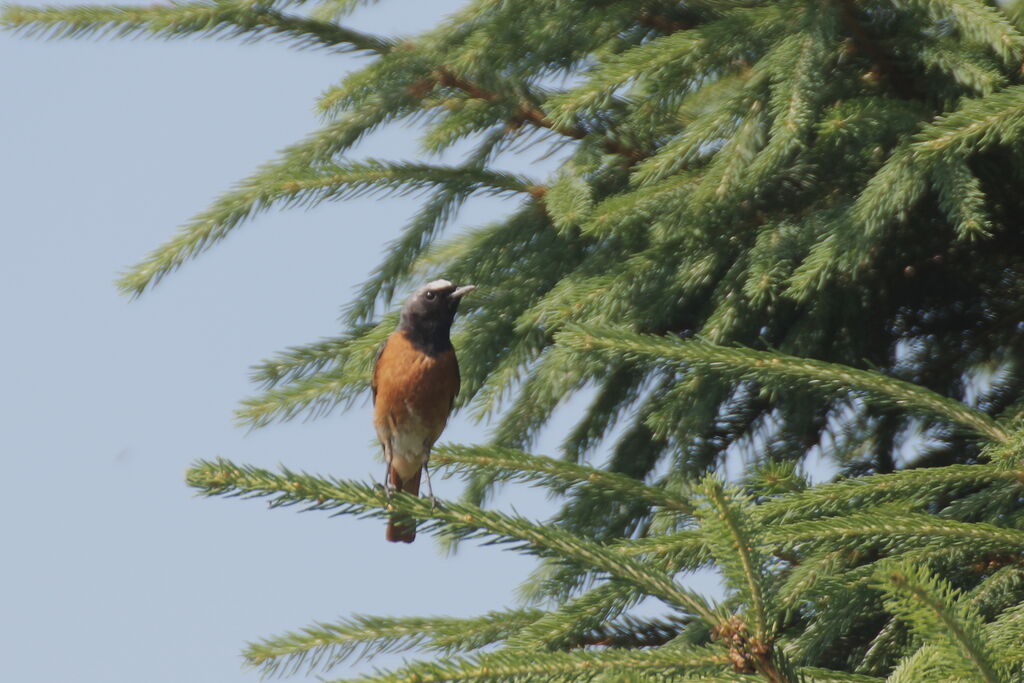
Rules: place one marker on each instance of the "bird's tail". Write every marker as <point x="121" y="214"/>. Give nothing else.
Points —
<point x="402" y="529"/>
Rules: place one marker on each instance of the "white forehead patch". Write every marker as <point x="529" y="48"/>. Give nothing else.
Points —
<point x="437" y="285"/>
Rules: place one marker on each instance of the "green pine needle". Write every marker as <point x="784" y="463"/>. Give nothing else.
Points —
<point x="324" y="646"/>
<point x="775" y="369"/>
<point x="513" y="465"/>
<point x="939" y="617"/>
<point x="222" y="478"/>
<point x="214" y="18"/>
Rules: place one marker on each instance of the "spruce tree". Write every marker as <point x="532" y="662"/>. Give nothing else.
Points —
<point x="782" y="230"/>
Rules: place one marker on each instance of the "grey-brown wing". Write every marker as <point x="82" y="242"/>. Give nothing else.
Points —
<point x="376" y="363"/>
<point x="458" y="382"/>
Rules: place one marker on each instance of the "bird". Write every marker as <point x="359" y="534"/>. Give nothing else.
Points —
<point x="415" y="381"/>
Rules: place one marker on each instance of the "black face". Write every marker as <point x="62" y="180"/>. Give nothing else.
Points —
<point x="428" y="314"/>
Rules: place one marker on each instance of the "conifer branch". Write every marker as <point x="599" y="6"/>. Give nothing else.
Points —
<point x="685" y="549"/>
<point x="883" y="64"/>
<point x="628" y="633"/>
<point x="333" y="10"/>
<point x="313" y="397"/>
<point x="891" y="193"/>
<point x="551" y="380"/>
<point x="568" y="667"/>
<point x="311" y="388"/>
<point x="222" y="478"/>
<point x="962" y="198"/>
<point x="916" y="487"/>
<point x="981" y="23"/>
<point x="711" y="116"/>
<point x="776" y="369"/>
<point x="798" y="82"/>
<point x="214" y="18"/>
<point x="736" y="171"/>
<point x="976" y="125"/>
<point x="299" y="362"/>
<point x="631" y="633"/>
<point x="402" y="253"/>
<point x="620" y="390"/>
<point x="567" y="626"/>
<point x="286" y="185"/>
<point x="727" y="532"/>
<point x="811" y="571"/>
<point x="323" y="646"/>
<point x="418" y="235"/>
<point x="568" y="201"/>
<point x="921" y="665"/>
<point x="938" y="616"/>
<point x="636" y="209"/>
<point x="1008" y="456"/>
<point x="893" y="528"/>
<point x="354" y="179"/>
<point x="527" y="112"/>
<point x="594" y="618"/>
<point x="513" y="465"/>
<point x="1004" y="634"/>
<point x="818" y="675"/>
<point x="963" y="64"/>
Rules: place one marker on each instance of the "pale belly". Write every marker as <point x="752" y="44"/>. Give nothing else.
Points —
<point x="412" y="401"/>
<point x="410" y="445"/>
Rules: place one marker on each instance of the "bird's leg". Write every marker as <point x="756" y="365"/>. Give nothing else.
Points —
<point x="430" y="488"/>
<point x="387" y="471"/>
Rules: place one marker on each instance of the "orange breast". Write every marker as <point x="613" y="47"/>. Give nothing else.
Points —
<point x="413" y="390"/>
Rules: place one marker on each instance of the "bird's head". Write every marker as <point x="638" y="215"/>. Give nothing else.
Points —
<point x="429" y="312"/>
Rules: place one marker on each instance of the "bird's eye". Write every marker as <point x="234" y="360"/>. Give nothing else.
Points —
<point x="430" y="296"/>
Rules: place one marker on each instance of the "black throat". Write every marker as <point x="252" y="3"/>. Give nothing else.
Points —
<point x="432" y="337"/>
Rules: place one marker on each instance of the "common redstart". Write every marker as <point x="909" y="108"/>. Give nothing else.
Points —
<point x="415" y="381"/>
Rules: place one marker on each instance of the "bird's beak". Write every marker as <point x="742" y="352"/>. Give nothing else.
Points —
<point x="462" y="291"/>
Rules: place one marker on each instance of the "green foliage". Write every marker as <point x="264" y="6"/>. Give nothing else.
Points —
<point x="953" y="633"/>
<point x="217" y="18"/>
<point x="324" y="645"/>
<point x="510" y="465"/>
<point x="828" y="569"/>
<point x="782" y="238"/>
<point x="561" y="666"/>
<point x="727" y="530"/>
<point x="775" y="369"/>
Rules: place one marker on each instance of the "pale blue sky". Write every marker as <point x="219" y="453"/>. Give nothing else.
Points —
<point x="112" y="571"/>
